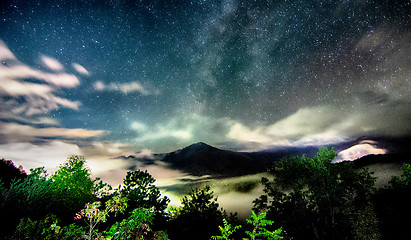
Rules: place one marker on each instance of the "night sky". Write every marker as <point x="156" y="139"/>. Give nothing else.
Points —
<point x="106" y="78"/>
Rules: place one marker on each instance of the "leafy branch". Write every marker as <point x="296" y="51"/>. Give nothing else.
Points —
<point x="93" y="215"/>
<point x="259" y="222"/>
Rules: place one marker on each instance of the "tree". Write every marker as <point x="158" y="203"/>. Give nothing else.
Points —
<point x="316" y="196"/>
<point x="259" y="224"/>
<point x="9" y="172"/>
<point x="92" y="214"/>
<point x="138" y="186"/>
<point x="393" y="206"/>
<point x="259" y="229"/>
<point x="74" y="177"/>
<point x="137" y="226"/>
<point x="73" y="186"/>
<point x="226" y="231"/>
<point x="46" y="229"/>
<point x="28" y="197"/>
<point x="404" y="180"/>
<point x="198" y="217"/>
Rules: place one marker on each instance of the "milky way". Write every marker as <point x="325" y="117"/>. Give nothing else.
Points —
<point x="116" y="76"/>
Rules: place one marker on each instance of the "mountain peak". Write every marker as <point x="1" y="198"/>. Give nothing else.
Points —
<point x="199" y="145"/>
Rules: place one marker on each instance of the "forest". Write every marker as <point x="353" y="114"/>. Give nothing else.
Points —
<point x="309" y="198"/>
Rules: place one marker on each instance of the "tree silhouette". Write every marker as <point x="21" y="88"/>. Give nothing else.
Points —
<point x="313" y="198"/>
<point x="198" y="218"/>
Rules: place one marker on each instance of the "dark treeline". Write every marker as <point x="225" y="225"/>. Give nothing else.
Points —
<point x="309" y="198"/>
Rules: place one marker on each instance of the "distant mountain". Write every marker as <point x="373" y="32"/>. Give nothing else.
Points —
<point x="200" y="159"/>
<point x="390" y="158"/>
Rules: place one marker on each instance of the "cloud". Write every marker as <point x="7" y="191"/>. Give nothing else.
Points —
<point x="16" y="87"/>
<point x="360" y="150"/>
<point x="327" y="124"/>
<point x="308" y="126"/>
<point x="51" y="63"/>
<point x="170" y="129"/>
<point x="107" y="148"/>
<point x="9" y="116"/>
<point x="99" y="86"/>
<point x="22" y="72"/>
<point x="13" y="70"/>
<point x="304" y="122"/>
<point x="80" y="69"/>
<point x="26" y="92"/>
<point x="319" y="125"/>
<point x="139" y="127"/>
<point x="14" y="132"/>
<point x="181" y="130"/>
<point x="125" y="88"/>
<point x="5" y="53"/>
<point x="102" y="158"/>
<point x="27" y="95"/>
<point x="49" y="155"/>
<point x="104" y="162"/>
<point x="241" y="133"/>
<point x="54" y="153"/>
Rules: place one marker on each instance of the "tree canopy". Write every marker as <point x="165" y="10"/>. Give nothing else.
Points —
<point x="309" y="198"/>
<point x="314" y="198"/>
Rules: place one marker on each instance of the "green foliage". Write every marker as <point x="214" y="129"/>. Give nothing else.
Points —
<point x="46" y="229"/>
<point x="198" y="217"/>
<point x="260" y="223"/>
<point x="226" y="231"/>
<point x="313" y="198"/>
<point x="73" y="187"/>
<point x="73" y="231"/>
<point x="393" y="206"/>
<point x="138" y="186"/>
<point x="92" y="214"/>
<point x="404" y="180"/>
<point x="316" y="196"/>
<point x="73" y="182"/>
<point x="137" y="226"/>
<point x="199" y="201"/>
<point x="101" y="189"/>
<point x="364" y="222"/>
<point x="27" y="197"/>
<point x="27" y="229"/>
<point x="9" y="172"/>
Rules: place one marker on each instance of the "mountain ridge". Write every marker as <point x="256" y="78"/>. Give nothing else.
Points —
<point x="200" y="159"/>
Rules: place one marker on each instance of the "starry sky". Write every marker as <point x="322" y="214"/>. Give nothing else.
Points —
<point x="105" y="78"/>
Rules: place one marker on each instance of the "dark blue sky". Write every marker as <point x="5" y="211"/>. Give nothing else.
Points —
<point x="160" y="75"/>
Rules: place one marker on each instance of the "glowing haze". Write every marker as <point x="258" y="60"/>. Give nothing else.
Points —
<point x="107" y="79"/>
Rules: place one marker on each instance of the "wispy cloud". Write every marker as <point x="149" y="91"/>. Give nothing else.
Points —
<point x="181" y="131"/>
<point x="320" y="125"/>
<point x="28" y="93"/>
<point x="49" y="155"/>
<point x="328" y="124"/>
<point x="15" y="132"/>
<point x="163" y="131"/>
<point x="126" y="88"/>
<point x="240" y="133"/>
<point x="51" y="63"/>
<point x="80" y="69"/>
<point x="29" y="135"/>
<point x="21" y="72"/>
